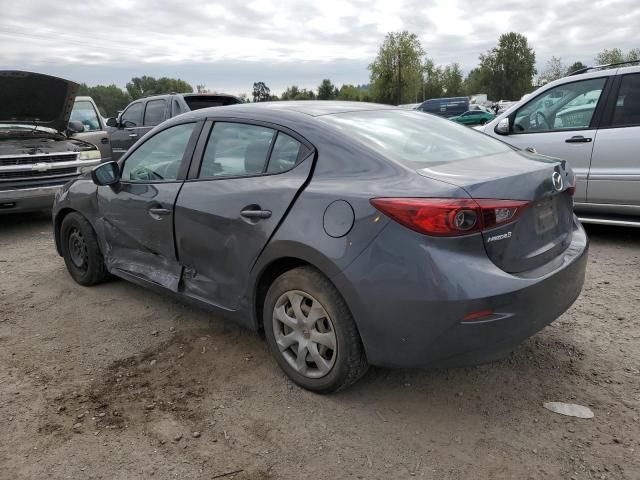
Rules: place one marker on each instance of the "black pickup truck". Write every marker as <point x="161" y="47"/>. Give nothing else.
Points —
<point x="142" y="115"/>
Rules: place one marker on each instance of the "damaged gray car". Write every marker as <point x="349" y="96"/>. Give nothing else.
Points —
<point x="37" y="153"/>
<point x="350" y="233"/>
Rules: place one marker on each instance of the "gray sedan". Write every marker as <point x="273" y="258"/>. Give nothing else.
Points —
<point x="351" y="234"/>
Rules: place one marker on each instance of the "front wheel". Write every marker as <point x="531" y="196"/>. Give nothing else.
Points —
<point x="81" y="252"/>
<point x="311" y="333"/>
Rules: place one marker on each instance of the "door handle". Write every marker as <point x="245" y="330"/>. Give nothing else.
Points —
<point x="578" y="139"/>
<point x="158" y="213"/>
<point x="133" y="135"/>
<point x="256" y="213"/>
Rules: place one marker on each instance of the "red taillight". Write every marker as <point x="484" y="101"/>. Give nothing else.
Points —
<point x="449" y="217"/>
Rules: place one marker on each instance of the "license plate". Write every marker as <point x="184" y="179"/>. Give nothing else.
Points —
<point x="547" y="217"/>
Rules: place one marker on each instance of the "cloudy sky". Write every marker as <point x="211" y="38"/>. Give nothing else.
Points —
<point x="228" y="44"/>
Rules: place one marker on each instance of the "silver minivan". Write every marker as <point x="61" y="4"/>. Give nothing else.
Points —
<point x="592" y="120"/>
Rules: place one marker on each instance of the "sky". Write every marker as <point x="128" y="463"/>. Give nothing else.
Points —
<point x="227" y="45"/>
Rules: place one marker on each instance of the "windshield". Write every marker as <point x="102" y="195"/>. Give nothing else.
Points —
<point x="84" y="113"/>
<point x="415" y="139"/>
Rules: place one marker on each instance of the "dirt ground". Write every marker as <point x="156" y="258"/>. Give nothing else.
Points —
<point x="117" y="382"/>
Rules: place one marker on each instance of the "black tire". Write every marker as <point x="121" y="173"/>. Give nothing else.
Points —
<point x="350" y="362"/>
<point x="483" y="122"/>
<point x="81" y="252"/>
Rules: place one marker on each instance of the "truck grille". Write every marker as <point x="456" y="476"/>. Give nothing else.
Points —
<point x="32" y="159"/>
<point x="7" y="173"/>
<point x="50" y="173"/>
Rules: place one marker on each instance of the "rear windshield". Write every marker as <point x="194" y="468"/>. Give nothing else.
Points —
<point x="415" y="139"/>
<point x="196" y="102"/>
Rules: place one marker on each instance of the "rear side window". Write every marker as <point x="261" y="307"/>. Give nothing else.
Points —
<point x="284" y="155"/>
<point x="160" y="157"/>
<point x="154" y="113"/>
<point x="236" y="149"/>
<point x="414" y="139"/>
<point x="84" y="113"/>
<point x="131" y="116"/>
<point x="627" y="111"/>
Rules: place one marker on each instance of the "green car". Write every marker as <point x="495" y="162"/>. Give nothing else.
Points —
<point x="474" y="117"/>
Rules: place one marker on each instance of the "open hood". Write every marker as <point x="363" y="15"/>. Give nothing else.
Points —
<point x="36" y="99"/>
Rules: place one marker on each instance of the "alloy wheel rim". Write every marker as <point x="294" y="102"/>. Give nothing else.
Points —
<point x="304" y="334"/>
<point x="78" y="249"/>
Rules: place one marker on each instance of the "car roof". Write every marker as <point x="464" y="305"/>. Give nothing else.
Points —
<point x="312" y="108"/>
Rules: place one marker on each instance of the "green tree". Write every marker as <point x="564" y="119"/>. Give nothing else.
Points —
<point x="555" y="69"/>
<point x="144" y="86"/>
<point x="261" y="93"/>
<point x="295" y="93"/>
<point x="452" y="80"/>
<point x="327" y="90"/>
<point x="109" y="98"/>
<point x="607" y="56"/>
<point x="575" y="66"/>
<point x="349" y="93"/>
<point x="396" y="72"/>
<point x="474" y="83"/>
<point x="433" y="86"/>
<point x="507" y="70"/>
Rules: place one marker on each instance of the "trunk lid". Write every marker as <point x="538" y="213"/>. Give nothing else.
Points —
<point x="36" y="99"/>
<point x="543" y="229"/>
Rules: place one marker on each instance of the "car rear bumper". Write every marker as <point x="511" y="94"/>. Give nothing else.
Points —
<point x="410" y="313"/>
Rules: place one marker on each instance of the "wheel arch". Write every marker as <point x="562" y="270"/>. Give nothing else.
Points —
<point x="274" y="266"/>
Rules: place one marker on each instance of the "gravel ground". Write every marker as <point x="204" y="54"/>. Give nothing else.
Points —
<point x="117" y="382"/>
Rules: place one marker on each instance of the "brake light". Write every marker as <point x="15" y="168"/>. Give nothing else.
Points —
<point x="450" y="217"/>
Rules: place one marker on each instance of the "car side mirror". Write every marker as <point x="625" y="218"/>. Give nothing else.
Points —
<point x="112" y="122"/>
<point x="106" y="174"/>
<point x="75" y="127"/>
<point x="502" y="128"/>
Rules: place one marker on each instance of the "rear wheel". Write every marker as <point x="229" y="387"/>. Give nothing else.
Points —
<point x="483" y="121"/>
<point x="81" y="252"/>
<point x="311" y="332"/>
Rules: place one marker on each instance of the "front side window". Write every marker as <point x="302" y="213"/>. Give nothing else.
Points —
<point x="84" y="113"/>
<point x="627" y="111"/>
<point x="160" y="157"/>
<point x="154" y="113"/>
<point x="236" y="149"/>
<point x="131" y="116"/>
<point x="414" y="139"/>
<point x="566" y="107"/>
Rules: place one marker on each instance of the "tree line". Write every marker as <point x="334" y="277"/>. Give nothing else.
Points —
<point x="401" y="72"/>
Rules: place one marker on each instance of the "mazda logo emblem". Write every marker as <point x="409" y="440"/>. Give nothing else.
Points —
<point x="558" y="183"/>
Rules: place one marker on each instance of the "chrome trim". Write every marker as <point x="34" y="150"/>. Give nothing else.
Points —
<point x="606" y="221"/>
<point x="27" y="155"/>
<point x="45" y="167"/>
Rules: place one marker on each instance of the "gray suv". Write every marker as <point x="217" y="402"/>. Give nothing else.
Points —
<point x="592" y="120"/>
<point x="142" y="115"/>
